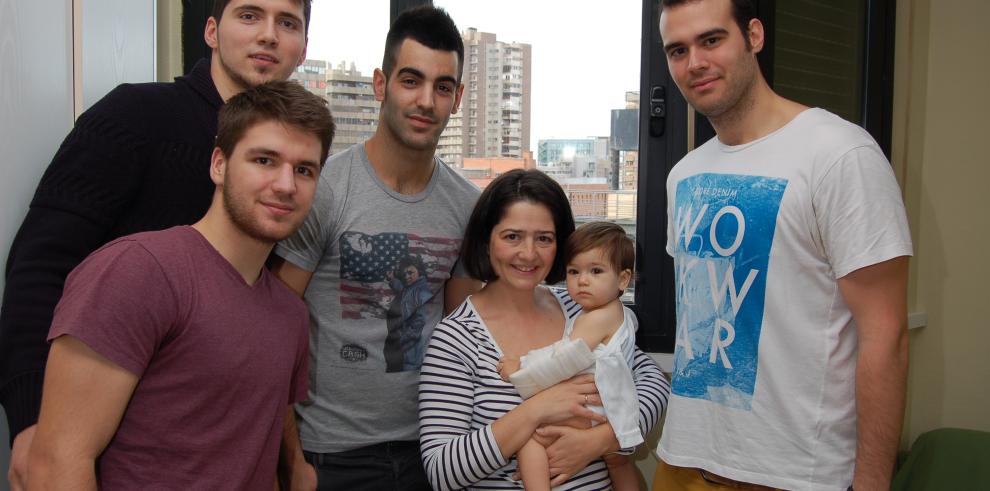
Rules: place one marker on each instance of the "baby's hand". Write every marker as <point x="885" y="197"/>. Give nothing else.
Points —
<point x="507" y="366"/>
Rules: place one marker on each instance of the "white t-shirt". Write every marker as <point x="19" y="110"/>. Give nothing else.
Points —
<point x="764" y="368"/>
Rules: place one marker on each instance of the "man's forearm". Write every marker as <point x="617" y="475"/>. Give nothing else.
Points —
<point x="290" y="458"/>
<point x="291" y="448"/>
<point x="881" y="380"/>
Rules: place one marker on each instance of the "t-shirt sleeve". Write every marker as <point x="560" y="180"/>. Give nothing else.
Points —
<point x="120" y="303"/>
<point x="860" y="212"/>
<point x="305" y="247"/>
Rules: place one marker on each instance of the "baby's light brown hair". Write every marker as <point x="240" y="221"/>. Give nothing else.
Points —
<point x="616" y="246"/>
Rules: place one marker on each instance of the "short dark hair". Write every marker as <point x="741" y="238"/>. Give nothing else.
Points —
<point x="531" y="186"/>
<point x="283" y="101"/>
<point x="428" y="25"/>
<point x="413" y="260"/>
<point x="616" y="245"/>
<point x="743" y="11"/>
<point x="220" y="5"/>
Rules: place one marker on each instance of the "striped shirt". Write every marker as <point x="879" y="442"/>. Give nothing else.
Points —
<point x="461" y="394"/>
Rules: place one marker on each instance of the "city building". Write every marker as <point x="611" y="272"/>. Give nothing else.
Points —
<point x="588" y="197"/>
<point x="575" y="158"/>
<point x="352" y="102"/>
<point x="350" y="96"/>
<point x="624" y="143"/>
<point x="494" y="117"/>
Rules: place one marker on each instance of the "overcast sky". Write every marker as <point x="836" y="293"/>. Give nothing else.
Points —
<point x="585" y="57"/>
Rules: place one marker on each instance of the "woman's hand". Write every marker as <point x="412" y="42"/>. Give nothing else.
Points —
<point x="558" y="403"/>
<point x="507" y="366"/>
<point x="574" y="449"/>
<point x="566" y="400"/>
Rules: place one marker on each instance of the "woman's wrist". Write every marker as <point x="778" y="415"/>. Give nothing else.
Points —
<point x="530" y="414"/>
<point x="512" y="430"/>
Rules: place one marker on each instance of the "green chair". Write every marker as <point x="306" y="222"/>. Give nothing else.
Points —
<point x="946" y="459"/>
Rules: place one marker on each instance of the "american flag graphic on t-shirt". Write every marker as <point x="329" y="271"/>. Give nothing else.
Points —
<point x="366" y="259"/>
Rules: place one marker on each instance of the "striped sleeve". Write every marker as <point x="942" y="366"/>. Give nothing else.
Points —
<point x="652" y="390"/>
<point x="455" y="454"/>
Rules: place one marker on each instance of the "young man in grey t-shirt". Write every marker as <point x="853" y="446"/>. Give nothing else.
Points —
<point x="376" y="261"/>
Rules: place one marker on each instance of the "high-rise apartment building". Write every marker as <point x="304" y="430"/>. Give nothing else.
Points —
<point x="494" y="117"/>
<point x="352" y="102"/>
<point x="351" y="98"/>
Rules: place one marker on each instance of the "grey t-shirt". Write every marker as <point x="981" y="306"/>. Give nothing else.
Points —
<point x="379" y="261"/>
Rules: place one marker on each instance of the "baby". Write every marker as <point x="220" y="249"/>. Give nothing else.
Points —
<point x="600" y="340"/>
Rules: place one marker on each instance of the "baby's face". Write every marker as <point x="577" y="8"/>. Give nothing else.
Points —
<point x="592" y="281"/>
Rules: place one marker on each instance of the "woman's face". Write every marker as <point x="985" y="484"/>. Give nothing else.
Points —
<point x="522" y="246"/>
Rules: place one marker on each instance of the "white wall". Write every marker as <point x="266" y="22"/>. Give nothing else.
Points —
<point x="38" y="96"/>
<point x="35" y="111"/>
<point x="941" y="74"/>
<point x="118" y="41"/>
<point x="35" y="100"/>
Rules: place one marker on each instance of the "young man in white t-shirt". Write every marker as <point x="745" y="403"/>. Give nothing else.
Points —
<point x="790" y="245"/>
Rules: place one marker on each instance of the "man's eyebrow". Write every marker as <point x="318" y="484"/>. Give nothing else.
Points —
<point x="711" y="32"/>
<point x="411" y="71"/>
<point x="707" y="34"/>
<point x="418" y="74"/>
<point x="447" y="78"/>
<point x="292" y="16"/>
<point x="262" y="151"/>
<point x="259" y="10"/>
<point x="249" y="8"/>
<point x="268" y="152"/>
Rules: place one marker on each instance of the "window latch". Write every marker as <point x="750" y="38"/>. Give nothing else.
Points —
<point x="658" y="110"/>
